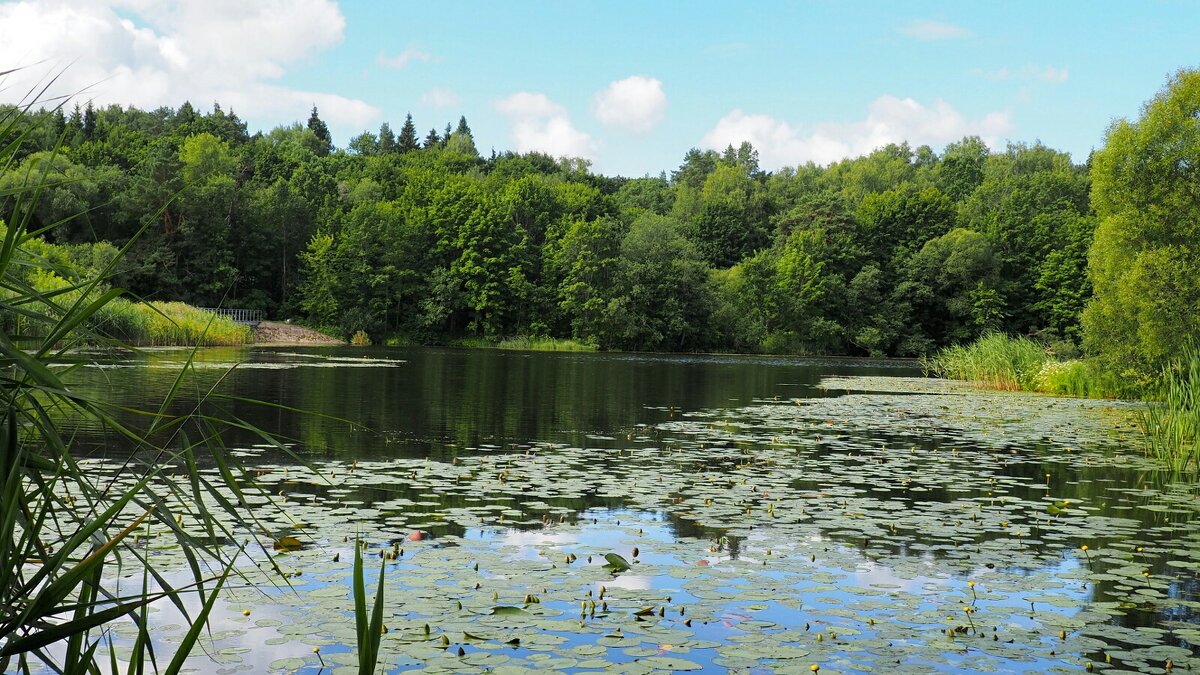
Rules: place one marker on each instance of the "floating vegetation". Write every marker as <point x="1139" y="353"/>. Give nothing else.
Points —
<point x="895" y="525"/>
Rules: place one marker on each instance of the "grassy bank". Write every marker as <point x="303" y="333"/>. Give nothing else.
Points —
<point x="1007" y="363"/>
<point x="161" y="324"/>
<point x="533" y="344"/>
<point x="1170" y="422"/>
<point x="154" y="324"/>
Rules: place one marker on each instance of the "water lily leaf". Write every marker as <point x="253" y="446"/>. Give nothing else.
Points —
<point x="287" y="543"/>
<point x="507" y="610"/>
<point x="616" y="563"/>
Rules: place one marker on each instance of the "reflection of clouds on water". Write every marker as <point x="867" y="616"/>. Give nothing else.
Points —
<point x="233" y="641"/>
<point x="631" y="582"/>
<point x="537" y="538"/>
<point x="870" y="574"/>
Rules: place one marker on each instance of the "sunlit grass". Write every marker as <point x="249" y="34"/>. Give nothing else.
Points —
<point x="1007" y="363"/>
<point x="169" y="324"/>
<point x="1171" y="422"/>
<point x="533" y="344"/>
<point x="996" y="361"/>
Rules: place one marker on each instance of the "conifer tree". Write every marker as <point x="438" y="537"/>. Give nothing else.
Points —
<point x="408" y="136"/>
<point x="321" y="130"/>
<point x="387" y="140"/>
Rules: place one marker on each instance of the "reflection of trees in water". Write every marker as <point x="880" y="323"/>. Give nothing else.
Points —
<point x="443" y="404"/>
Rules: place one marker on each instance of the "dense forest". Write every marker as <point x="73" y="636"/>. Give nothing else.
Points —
<point x="420" y="237"/>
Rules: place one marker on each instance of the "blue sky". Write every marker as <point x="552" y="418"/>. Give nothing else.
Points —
<point x="630" y="85"/>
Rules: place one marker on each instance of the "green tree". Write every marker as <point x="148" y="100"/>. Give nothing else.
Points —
<point x="960" y="170"/>
<point x="1146" y="307"/>
<point x="664" y="301"/>
<point x="589" y="256"/>
<point x="321" y="131"/>
<point x="387" y="139"/>
<point x="366" y="144"/>
<point x="318" y="290"/>
<point x="960" y="271"/>
<point x="408" y="136"/>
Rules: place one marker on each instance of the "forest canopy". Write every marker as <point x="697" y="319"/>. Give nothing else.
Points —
<point x="419" y="236"/>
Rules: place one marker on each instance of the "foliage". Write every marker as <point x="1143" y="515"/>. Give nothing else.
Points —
<point x="1143" y="260"/>
<point x="898" y="252"/>
<point x="999" y="361"/>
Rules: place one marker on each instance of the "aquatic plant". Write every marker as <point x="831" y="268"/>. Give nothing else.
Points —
<point x="1171" y="422"/>
<point x="996" y="360"/>
<point x="1003" y="362"/>
<point x="544" y="344"/>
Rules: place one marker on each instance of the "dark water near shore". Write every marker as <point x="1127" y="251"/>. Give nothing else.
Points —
<point x="434" y="401"/>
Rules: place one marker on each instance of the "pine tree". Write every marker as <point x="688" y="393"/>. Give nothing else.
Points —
<point x="446" y="135"/>
<point x="387" y="140"/>
<point x="432" y="140"/>
<point x="462" y="126"/>
<point x="321" y="131"/>
<point x="408" y="135"/>
<point x="59" y="122"/>
<point x="89" y="121"/>
<point x="186" y="114"/>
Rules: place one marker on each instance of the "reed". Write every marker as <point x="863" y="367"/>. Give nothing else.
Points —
<point x="63" y="536"/>
<point x="1171" y="422"/>
<point x="544" y="344"/>
<point x="996" y="361"/>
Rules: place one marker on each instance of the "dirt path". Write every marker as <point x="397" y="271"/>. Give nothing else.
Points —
<point x="276" y="333"/>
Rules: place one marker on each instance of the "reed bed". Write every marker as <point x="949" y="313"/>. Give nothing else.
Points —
<point x="996" y="361"/>
<point x="1171" y="422"/>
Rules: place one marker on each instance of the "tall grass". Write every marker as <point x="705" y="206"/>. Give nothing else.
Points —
<point x="996" y="360"/>
<point x="999" y="361"/>
<point x="1083" y="378"/>
<point x="1171" y="423"/>
<point x="535" y="344"/>
<point x="65" y="536"/>
<point x="132" y="323"/>
<point x="177" y="323"/>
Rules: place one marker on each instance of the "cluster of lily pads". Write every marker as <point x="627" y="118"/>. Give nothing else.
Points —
<point x="890" y="525"/>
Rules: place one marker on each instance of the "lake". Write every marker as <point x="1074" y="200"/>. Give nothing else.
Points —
<point x="772" y="513"/>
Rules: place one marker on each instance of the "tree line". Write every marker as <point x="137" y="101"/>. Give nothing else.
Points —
<point x="423" y="238"/>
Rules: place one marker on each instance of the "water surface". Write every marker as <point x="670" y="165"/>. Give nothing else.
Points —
<point x="785" y="512"/>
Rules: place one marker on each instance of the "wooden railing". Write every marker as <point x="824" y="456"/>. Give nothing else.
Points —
<point x="247" y="316"/>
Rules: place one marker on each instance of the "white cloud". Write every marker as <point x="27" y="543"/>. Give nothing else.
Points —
<point x="404" y="58"/>
<point x="149" y="54"/>
<point x="440" y="98"/>
<point x="539" y="124"/>
<point x="889" y="120"/>
<point x="636" y="104"/>
<point x="928" y="30"/>
<point x="1052" y="74"/>
<point x="1028" y="72"/>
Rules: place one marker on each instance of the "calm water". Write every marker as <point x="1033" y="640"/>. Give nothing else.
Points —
<point x="428" y="401"/>
<point x="776" y="512"/>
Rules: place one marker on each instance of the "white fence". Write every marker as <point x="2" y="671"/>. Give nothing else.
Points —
<point x="248" y="316"/>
